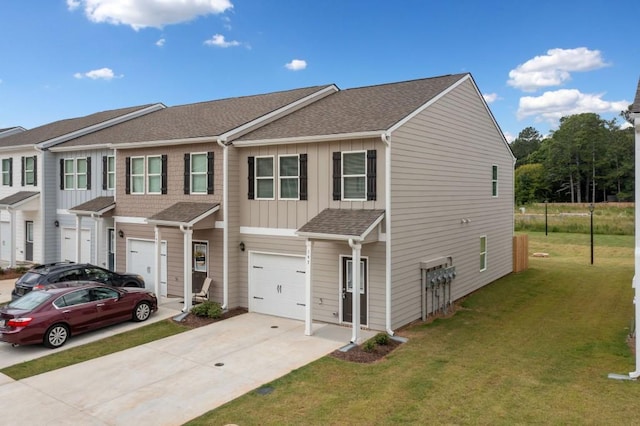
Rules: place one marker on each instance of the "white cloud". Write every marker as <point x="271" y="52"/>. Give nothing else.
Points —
<point x="100" y="74"/>
<point x="551" y="106"/>
<point x="554" y="68"/>
<point x="160" y="42"/>
<point x="509" y="137"/>
<point x="296" y="65"/>
<point x="148" y="13"/>
<point x="218" y="40"/>
<point x="490" y="97"/>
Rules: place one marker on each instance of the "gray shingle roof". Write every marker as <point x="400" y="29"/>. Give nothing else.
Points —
<point x="341" y="223"/>
<point x="372" y="108"/>
<point x="96" y="205"/>
<point x="18" y="198"/>
<point x="184" y="212"/>
<point x="636" y="104"/>
<point x="64" y="127"/>
<point x="202" y="119"/>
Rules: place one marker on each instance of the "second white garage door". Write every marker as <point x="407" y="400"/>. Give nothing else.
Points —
<point x="69" y="245"/>
<point x="141" y="260"/>
<point x="277" y="285"/>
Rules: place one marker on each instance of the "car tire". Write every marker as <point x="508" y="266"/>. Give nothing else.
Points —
<point x="56" y="336"/>
<point x="142" y="312"/>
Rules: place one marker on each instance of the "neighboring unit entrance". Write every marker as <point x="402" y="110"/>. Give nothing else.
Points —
<point x="111" y="249"/>
<point x="200" y="254"/>
<point x="28" y="242"/>
<point x="141" y="260"/>
<point x="277" y="285"/>
<point x="347" y="290"/>
<point x="69" y="245"/>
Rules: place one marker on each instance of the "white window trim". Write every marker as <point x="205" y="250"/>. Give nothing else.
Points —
<point x="192" y="173"/>
<point x="342" y="174"/>
<point x="257" y="178"/>
<point x="72" y="173"/>
<point x="280" y="178"/>
<point x="485" y="253"/>
<point x="150" y="175"/>
<point x="78" y="174"/>
<point x="494" y="180"/>
<point x="143" y="174"/>
<point x="111" y="161"/>
<point x="27" y="171"/>
<point x="6" y="172"/>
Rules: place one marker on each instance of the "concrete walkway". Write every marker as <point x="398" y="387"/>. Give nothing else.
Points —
<point x="172" y="380"/>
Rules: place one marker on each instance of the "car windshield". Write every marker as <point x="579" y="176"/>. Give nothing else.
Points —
<point x="30" y="300"/>
<point x="30" y="278"/>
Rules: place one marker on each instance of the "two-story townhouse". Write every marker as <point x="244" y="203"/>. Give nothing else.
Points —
<point x="28" y="208"/>
<point x="403" y="191"/>
<point x="171" y="213"/>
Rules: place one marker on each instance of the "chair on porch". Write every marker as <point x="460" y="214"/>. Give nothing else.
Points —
<point x="203" y="294"/>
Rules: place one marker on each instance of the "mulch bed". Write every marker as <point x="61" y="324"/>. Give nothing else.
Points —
<point x="358" y="354"/>
<point x="194" y="321"/>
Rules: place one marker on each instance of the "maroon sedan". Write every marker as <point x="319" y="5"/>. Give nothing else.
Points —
<point x="51" y="315"/>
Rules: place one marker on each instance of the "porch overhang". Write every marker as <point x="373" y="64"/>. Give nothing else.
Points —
<point x="23" y="200"/>
<point x="343" y="225"/>
<point x="99" y="206"/>
<point x="183" y="214"/>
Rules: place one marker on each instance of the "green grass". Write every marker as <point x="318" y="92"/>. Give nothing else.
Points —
<point x="116" y="343"/>
<point x="531" y="348"/>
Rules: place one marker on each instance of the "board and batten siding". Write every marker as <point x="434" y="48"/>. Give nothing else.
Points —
<point x="69" y="198"/>
<point x="441" y="196"/>
<point x="48" y="202"/>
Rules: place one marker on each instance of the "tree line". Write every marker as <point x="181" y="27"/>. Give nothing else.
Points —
<point x="586" y="160"/>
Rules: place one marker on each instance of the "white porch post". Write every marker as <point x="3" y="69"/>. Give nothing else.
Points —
<point x="188" y="290"/>
<point x="355" y="291"/>
<point x="99" y="221"/>
<point x="308" y="318"/>
<point x="78" y="237"/>
<point x="12" y="214"/>
<point x="158" y="262"/>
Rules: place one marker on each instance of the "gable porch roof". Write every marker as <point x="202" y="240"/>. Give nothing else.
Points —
<point x="341" y="224"/>
<point x="185" y="214"/>
<point x="20" y="200"/>
<point x="97" y="206"/>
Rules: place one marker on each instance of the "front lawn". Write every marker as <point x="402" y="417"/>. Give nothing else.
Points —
<point x="532" y="348"/>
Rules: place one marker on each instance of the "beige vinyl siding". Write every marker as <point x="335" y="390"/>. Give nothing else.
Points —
<point x="294" y="214"/>
<point x="233" y="223"/>
<point x="442" y="162"/>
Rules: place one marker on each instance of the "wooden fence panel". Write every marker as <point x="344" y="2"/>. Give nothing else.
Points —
<point x="520" y="253"/>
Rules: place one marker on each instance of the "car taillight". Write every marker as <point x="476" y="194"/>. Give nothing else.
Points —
<point x="38" y="287"/>
<point x="19" y="322"/>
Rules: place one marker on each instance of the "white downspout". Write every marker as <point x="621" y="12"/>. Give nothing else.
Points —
<point x="355" y="290"/>
<point x="636" y="284"/>
<point x="225" y="223"/>
<point x="158" y="263"/>
<point x="78" y="237"/>
<point x="188" y="281"/>
<point x="308" y="316"/>
<point x="386" y="140"/>
<point x="12" y="216"/>
<point x="98" y="222"/>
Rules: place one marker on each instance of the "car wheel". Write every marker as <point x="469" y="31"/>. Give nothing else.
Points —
<point x="142" y="311"/>
<point x="56" y="336"/>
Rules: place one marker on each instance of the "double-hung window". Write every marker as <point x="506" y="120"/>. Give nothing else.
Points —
<point x="81" y="173"/>
<point x="154" y="175"/>
<point x="69" y="165"/>
<point x="264" y="178"/>
<point x="354" y="175"/>
<point x="494" y="180"/>
<point x="28" y="170"/>
<point x="483" y="253"/>
<point x="137" y="175"/>
<point x="199" y="169"/>
<point x="111" y="172"/>
<point x="7" y="172"/>
<point x="289" y="174"/>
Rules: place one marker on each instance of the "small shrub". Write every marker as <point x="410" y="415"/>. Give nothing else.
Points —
<point x="381" y="339"/>
<point x="21" y="269"/>
<point x="207" y="309"/>
<point x="1" y="271"/>
<point x="369" y="345"/>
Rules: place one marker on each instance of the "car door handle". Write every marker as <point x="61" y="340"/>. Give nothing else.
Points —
<point x="66" y="311"/>
<point x="100" y="304"/>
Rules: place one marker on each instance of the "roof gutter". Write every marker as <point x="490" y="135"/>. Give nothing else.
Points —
<point x="225" y="223"/>
<point x="386" y="140"/>
<point x="310" y="139"/>
<point x="163" y="142"/>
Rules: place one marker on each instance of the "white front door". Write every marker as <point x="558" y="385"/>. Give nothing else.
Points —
<point x="68" y="250"/>
<point x="277" y="285"/>
<point x="141" y="260"/>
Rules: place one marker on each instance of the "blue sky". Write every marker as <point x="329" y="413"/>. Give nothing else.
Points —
<point x="534" y="61"/>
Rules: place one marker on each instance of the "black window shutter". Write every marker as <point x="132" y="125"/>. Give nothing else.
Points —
<point x="105" y="177"/>
<point x="11" y="171"/>
<point x="187" y="173"/>
<point x="337" y="176"/>
<point x="209" y="172"/>
<point x="35" y="170"/>
<point x="164" y="174"/>
<point x="88" y="172"/>
<point x="23" y="171"/>
<point x="250" y="179"/>
<point x="303" y="177"/>
<point x="371" y="174"/>
<point x="62" y="173"/>
<point x="127" y="171"/>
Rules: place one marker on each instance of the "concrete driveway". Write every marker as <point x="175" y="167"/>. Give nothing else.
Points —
<point x="172" y="380"/>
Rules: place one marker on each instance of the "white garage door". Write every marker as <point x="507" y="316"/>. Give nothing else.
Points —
<point x="69" y="245"/>
<point x="141" y="260"/>
<point x="277" y="285"/>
